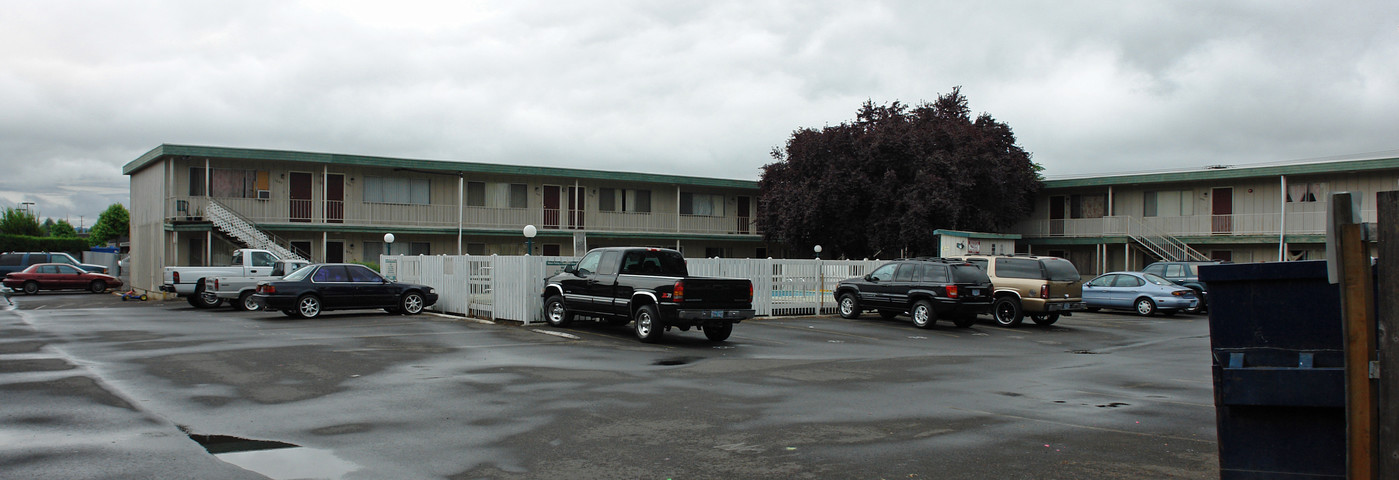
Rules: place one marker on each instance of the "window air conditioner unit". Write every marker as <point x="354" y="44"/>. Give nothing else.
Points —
<point x="264" y="194"/>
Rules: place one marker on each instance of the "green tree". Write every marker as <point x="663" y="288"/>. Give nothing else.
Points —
<point x="20" y="222"/>
<point x="881" y="184"/>
<point x="63" y="229"/>
<point x="113" y="223"/>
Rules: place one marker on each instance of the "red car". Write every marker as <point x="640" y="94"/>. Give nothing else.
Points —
<point x="59" y="276"/>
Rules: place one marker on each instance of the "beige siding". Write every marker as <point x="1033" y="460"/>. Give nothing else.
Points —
<point x="148" y="191"/>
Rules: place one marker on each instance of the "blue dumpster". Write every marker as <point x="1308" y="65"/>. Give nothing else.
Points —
<point x="1279" y="376"/>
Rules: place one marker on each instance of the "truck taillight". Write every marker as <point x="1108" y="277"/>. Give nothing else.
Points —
<point x="951" y="291"/>
<point x="1044" y="291"/>
<point x="750" y="291"/>
<point x="177" y="277"/>
<point x="216" y="284"/>
<point x="679" y="291"/>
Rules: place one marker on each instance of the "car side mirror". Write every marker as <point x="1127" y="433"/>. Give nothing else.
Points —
<point x="870" y="278"/>
<point x="570" y="268"/>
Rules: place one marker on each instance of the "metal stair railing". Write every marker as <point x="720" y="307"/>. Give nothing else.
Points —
<point x="1161" y="244"/>
<point x="242" y="230"/>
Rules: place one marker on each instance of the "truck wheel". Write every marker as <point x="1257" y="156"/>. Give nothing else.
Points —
<point x="1045" y="318"/>
<point x="648" y="326"/>
<point x="308" y="306"/>
<point x="246" y="302"/>
<point x="203" y="299"/>
<point x="556" y="313"/>
<point x="97" y="286"/>
<point x="411" y="303"/>
<point x="849" y="306"/>
<point x="923" y="314"/>
<point x="1006" y="311"/>
<point x="718" y="333"/>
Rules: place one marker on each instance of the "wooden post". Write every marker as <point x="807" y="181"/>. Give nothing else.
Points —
<point x="1387" y="436"/>
<point x="1358" y="326"/>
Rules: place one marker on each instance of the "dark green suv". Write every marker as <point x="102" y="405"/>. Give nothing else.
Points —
<point x="925" y="289"/>
<point x="1185" y="274"/>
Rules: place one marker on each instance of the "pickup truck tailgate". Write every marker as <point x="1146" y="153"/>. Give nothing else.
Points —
<point x="718" y="292"/>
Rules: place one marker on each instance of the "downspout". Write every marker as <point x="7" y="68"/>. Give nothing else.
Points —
<point x="1282" y="220"/>
<point x="461" y="202"/>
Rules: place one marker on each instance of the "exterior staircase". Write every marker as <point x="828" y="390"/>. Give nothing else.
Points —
<point x="241" y="230"/>
<point x="1162" y="245"/>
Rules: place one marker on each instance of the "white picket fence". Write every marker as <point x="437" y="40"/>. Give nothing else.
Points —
<point x="508" y="287"/>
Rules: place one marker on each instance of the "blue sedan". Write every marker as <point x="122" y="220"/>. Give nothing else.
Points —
<point x="1143" y="293"/>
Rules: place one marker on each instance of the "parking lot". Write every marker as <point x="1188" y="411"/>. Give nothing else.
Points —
<point x="95" y="387"/>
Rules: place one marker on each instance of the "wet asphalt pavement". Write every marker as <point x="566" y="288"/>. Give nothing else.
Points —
<point x="93" y="387"/>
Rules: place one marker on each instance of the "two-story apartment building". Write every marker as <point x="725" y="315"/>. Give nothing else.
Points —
<point x="1237" y="213"/>
<point x="192" y="205"/>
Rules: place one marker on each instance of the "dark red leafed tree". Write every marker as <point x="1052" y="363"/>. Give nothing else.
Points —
<point x="880" y="185"/>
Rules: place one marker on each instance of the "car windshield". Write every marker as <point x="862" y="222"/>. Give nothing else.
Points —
<point x="298" y="275"/>
<point x="1156" y="279"/>
<point x="969" y="273"/>
<point x="1060" y="269"/>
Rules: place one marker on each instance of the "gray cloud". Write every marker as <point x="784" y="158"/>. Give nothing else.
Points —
<point x="694" y="88"/>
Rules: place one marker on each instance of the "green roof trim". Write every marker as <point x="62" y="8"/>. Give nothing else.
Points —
<point x="442" y="166"/>
<point x="1195" y="240"/>
<point x="1338" y="166"/>
<point x="958" y="233"/>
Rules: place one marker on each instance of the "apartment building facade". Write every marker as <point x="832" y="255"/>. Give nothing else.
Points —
<point x="1236" y="213"/>
<point x="193" y="205"/>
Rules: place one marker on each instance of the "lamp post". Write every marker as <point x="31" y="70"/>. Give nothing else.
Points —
<point x="820" y="282"/>
<point x="388" y="243"/>
<point x="530" y="231"/>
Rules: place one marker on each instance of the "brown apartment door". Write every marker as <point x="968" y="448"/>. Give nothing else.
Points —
<point x="551" y="206"/>
<point x="1222" y="210"/>
<point x="300" y="196"/>
<point x="1056" y="215"/>
<point x="335" y="198"/>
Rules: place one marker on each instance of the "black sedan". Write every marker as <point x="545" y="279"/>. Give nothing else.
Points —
<point x="316" y="288"/>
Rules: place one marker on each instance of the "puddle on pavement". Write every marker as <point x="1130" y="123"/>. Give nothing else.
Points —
<point x="277" y="460"/>
<point x="676" y="361"/>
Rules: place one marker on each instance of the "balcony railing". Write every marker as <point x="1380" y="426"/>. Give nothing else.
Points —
<point x="1297" y="223"/>
<point x="281" y="211"/>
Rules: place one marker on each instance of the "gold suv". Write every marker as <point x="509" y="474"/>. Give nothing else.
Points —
<point x="1041" y="287"/>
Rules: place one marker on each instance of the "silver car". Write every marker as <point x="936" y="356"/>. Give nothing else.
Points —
<point x="1143" y="293"/>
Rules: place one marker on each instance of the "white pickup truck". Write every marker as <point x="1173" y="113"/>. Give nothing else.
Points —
<point x="188" y="282"/>
<point x="238" y="291"/>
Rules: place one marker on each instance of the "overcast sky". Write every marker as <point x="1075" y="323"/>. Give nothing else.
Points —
<point x="702" y="88"/>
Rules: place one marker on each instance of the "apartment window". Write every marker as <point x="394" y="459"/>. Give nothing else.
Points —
<point x="1306" y="192"/>
<point x="372" y="251"/>
<point x="624" y="200"/>
<point x="1088" y="206"/>
<point x="519" y="195"/>
<point x="703" y="204"/>
<point x="420" y="248"/>
<point x="1148" y="204"/>
<point x="475" y="249"/>
<point x="713" y="252"/>
<point x="475" y="194"/>
<point x="396" y="190"/>
<point x="230" y="183"/>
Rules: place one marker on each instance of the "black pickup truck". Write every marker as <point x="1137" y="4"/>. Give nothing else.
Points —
<point x="650" y="287"/>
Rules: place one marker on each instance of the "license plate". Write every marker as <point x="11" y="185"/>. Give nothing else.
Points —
<point x="716" y="314"/>
<point x="976" y="291"/>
